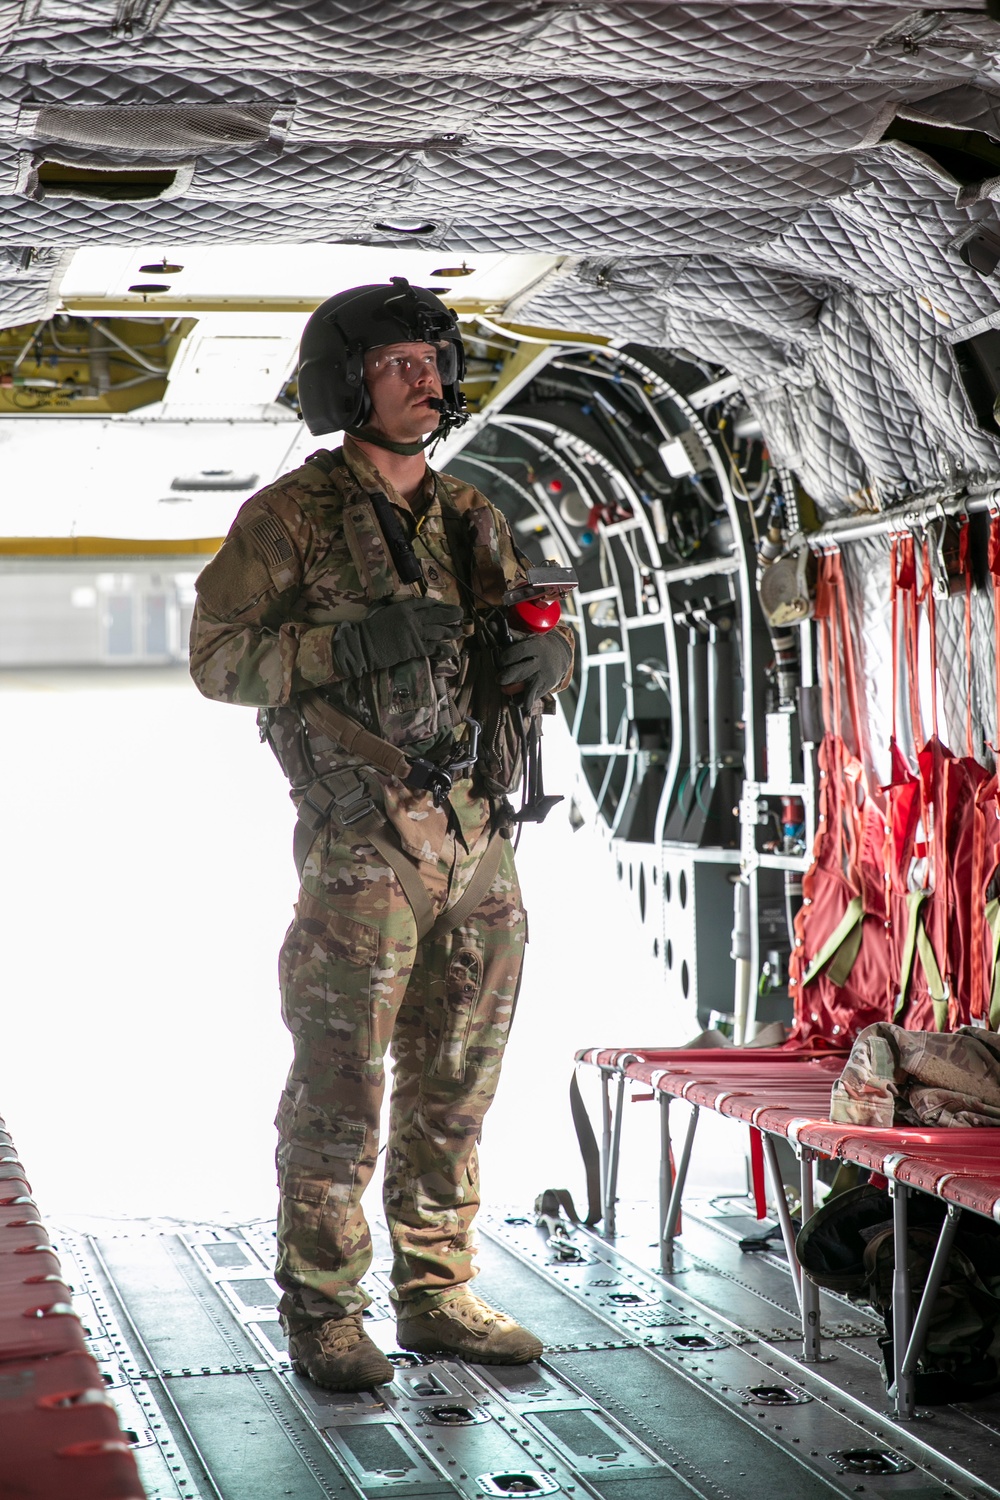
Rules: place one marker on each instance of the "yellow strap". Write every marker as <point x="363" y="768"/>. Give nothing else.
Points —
<point x="918" y="943"/>
<point x="843" y="946"/>
<point x="914" y="901"/>
<point x="937" y="986"/>
<point x="993" y="923"/>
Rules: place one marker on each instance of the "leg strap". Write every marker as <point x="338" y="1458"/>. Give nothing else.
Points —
<point x="343" y="797"/>
<point x="470" y="899"/>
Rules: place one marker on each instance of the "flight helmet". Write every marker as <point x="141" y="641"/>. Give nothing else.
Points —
<point x="332" y="392"/>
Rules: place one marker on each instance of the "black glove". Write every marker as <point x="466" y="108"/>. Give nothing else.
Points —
<point x="539" y="661"/>
<point x="393" y="633"/>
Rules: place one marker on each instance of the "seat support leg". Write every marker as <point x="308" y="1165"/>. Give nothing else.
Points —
<point x="811" y="1338"/>
<point x="903" y="1391"/>
<point x="605" y="1136"/>
<point x="676" y="1193"/>
<point x="611" y="1186"/>
<point x="666" y="1176"/>
<point x="906" y="1368"/>
<point x="784" y="1217"/>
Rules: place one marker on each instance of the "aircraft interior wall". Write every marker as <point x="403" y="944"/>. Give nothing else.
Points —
<point x="728" y="278"/>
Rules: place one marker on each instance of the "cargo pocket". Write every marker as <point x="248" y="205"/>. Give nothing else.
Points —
<point x="318" y="1190"/>
<point x="406" y="701"/>
<point x="462" y="986"/>
<point x="326" y="981"/>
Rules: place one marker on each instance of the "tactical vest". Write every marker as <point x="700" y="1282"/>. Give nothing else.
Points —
<point x="414" y="708"/>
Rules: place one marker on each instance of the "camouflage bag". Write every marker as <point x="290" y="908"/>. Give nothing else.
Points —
<point x="848" y="1247"/>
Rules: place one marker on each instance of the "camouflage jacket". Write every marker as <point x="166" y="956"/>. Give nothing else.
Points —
<point x="305" y="554"/>
<point x="899" y="1077"/>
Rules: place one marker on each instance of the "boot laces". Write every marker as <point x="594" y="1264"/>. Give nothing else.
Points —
<point x="338" y="1335"/>
<point x="472" y="1310"/>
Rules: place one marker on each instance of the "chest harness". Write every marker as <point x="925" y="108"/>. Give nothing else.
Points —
<point x="342" y="795"/>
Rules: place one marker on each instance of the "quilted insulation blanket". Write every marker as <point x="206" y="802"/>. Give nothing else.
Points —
<point x="786" y="191"/>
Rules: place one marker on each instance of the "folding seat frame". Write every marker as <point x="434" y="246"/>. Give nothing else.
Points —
<point x="810" y="1139"/>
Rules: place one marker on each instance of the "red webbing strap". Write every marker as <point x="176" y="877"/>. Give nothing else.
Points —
<point x="823" y="613"/>
<point x="904" y="581"/>
<point x="926" y="597"/>
<point x="894" y="600"/>
<point x="850" y="669"/>
<point x="757" y="1172"/>
<point x="994" y="566"/>
<point x="965" y="563"/>
<point x="979" y="1003"/>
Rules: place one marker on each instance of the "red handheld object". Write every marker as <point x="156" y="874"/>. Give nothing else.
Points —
<point x="536" y="615"/>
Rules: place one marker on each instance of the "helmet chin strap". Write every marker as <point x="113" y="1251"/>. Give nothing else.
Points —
<point x="368" y="434"/>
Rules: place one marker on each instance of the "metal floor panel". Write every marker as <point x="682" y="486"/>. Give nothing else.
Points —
<point x="641" y="1385"/>
<point x="743" y="1305"/>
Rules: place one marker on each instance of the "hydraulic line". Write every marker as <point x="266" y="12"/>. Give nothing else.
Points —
<point x="129" y="349"/>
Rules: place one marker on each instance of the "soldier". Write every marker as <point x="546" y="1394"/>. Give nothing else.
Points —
<point x="355" y="604"/>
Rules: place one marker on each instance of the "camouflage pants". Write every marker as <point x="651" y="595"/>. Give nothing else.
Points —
<point x="355" y="979"/>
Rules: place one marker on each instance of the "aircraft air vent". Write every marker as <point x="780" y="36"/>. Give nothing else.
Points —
<point x="136" y="182"/>
<point x="215" y="479"/>
<point x="155" y="127"/>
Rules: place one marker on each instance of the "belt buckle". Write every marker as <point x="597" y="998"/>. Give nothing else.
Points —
<point x="365" y="806"/>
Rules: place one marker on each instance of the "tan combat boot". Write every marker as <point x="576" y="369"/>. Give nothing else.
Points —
<point x="338" y="1355"/>
<point x="469" y="1328"/>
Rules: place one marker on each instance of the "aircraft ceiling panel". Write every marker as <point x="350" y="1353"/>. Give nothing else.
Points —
<point x="627" y="40"/>
<point x="129" y="478"/>
<point x="752" y="183"/>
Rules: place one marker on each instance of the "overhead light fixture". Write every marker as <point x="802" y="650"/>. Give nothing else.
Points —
<point x="214" y="479"/>
<point x="161" y="268"/>
<point x="452" y="271"/>
<point x="422" y="227"/>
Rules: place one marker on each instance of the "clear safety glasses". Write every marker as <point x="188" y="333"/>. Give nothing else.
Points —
<point x="409" y="363"/>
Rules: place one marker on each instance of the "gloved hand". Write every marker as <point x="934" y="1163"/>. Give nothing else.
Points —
<point x="539" y="662"/>
<point x="393" y="633"/>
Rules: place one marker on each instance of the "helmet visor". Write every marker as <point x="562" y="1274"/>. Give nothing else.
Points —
<point x="408" y="362"/>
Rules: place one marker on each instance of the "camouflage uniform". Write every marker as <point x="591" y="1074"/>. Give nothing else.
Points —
<point x="302" y="556"/>
<point x="898" y="1077"/>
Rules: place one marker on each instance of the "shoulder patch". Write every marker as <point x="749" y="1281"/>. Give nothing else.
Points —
<point x="268" y="536"/>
